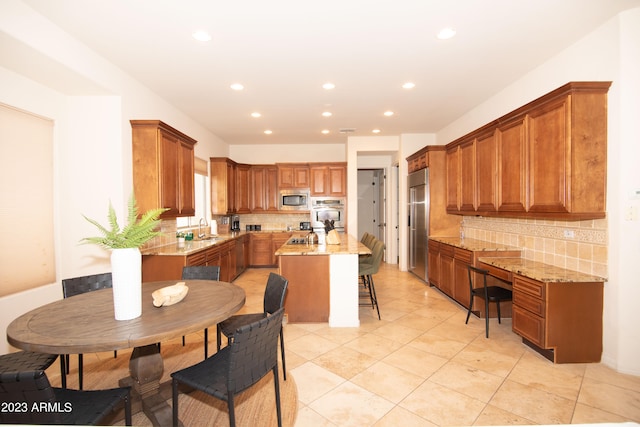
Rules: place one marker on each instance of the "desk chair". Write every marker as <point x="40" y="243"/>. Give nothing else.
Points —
<point x="274" y="294"/>
<point x="77" y="286"/>
<point x="487" y="293"/>
<point x="251" y="354"/>
<point x="31" y="388"/>
<point x="201" y="272"/>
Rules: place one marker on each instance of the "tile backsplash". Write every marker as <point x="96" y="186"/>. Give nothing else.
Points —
<point x="574" y="245"/>
<point x="268" y="222"/>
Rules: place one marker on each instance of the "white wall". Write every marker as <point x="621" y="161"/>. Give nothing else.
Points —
<point x="282" y="153"/>
<point x="609" y="53"/>
<point x="91" y="103"/>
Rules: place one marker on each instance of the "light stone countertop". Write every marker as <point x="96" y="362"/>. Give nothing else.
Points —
<point x="473" y="244"/>
<point x="539" y="271"/>
<point x="348" y="245"/>
<point x="194" y="246"/>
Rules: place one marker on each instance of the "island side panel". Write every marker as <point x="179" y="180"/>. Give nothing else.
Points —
<point x="307" y="298"/>
<point x="344" y="291"/>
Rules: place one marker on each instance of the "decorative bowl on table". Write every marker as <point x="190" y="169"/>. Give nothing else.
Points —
<point x="170" y="295"/>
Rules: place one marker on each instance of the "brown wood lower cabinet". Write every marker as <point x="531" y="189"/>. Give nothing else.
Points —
<point x="562" y="319"/>
<point x="307" y="297"/>
<point x="447" y="271"/>
<point x="263" y="247"/>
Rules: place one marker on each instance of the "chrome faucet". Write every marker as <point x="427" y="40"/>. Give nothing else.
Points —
<point x="200" y="233"/>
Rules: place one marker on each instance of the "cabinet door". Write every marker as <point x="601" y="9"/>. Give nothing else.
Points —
<point x="186" y="171"/>
<point x="271" y="188"/>
<point x="452" y="158"/>
<point x="433" y="268"/>
<point x="467" y="177"/>
<point x="548" y="157"/>
<point x="461" y="261"/>
<point x="169" y="180"/>
<point x="512" y="166"/>
<point x="337" y="179"/>
<point x="261" y="253"/>
<point x="487" y="172"/>
<point x="242" y="189"/>
<point x="278" y="239"/>
<point x="293" y="176"/>
<point x="231" y="187"/>
<point x="446" y="270"/>
<point x="318" y="178"/>
<point x="258" y="188"/>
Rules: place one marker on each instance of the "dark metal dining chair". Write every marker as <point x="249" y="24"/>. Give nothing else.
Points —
<point x="274" y="294"/>
<point x="487" y="293"/>
<point x="201" y="272"/>
<point x="35" y="401"/>
<point x="76" y="286"/>
<point x="250" y="356"/>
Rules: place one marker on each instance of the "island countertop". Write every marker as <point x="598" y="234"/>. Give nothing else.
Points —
<point x="348" y="245"/>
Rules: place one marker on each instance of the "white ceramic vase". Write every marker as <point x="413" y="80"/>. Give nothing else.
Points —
<point x="126" y="271"/>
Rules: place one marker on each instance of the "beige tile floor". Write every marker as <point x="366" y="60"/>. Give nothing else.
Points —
<point x="422" y="366"/>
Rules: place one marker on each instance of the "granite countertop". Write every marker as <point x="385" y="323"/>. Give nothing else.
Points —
<point x="348" y="245"/>
<point x="194" y="246"/>
<point x="473" y="244"/>
<point x="539" y="271"/>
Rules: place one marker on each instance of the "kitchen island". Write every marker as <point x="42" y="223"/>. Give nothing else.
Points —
<point x="323" y="281"/>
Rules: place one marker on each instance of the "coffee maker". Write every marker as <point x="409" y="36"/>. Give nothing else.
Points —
<point x="235" y="223"/>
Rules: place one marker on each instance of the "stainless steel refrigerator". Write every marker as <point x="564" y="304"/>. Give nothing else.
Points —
<point x="418" y="222"/>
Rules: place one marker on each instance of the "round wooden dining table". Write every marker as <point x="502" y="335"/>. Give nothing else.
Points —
<point x="86" y="323"/>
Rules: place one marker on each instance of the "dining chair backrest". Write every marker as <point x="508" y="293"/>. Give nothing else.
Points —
<point x="370" y="241"/>
<point x="84" y="284"/>
<point x="274" y="293"/>
<point x="201" y="272"/>
<point x="253" y="352"/>
<point x="38" y="403"/>
<point x="377" y="252"/>
<point x="364" y="237"/>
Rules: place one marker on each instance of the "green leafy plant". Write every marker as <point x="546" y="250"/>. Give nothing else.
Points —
<point x="135" y="234"/>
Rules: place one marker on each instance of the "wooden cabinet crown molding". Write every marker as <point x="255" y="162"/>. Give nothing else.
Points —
<point x="546" y="159"/>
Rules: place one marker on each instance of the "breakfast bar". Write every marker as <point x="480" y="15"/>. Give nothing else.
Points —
<point x="323" y="281"/>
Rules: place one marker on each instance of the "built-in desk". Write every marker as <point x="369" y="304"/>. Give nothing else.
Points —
<point x="557" y="311"/>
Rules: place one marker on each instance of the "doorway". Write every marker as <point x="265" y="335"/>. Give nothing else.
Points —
<point x="372" y="202"/>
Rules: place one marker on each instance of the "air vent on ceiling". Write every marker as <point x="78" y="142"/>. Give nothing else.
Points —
<point x="347" y="130"/>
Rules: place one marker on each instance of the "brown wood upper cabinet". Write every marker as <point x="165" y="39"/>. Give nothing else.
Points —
<point x="163" y="170"/>
<point x="223" y="185"/>
<point x="328" y="179"/>
<point x="264" y="188"/>
<point x="293" y="175"/>
<point x="546" y="159"/>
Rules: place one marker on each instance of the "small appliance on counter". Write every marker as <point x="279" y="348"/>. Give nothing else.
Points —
<point x="235" y="223"/>
<point x="305" y="225"/>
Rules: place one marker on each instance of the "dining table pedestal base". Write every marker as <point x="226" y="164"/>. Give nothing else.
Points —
<point x="146" y="368"/>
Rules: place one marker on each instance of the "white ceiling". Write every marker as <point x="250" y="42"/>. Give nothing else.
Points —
<point x="282" y="51"/>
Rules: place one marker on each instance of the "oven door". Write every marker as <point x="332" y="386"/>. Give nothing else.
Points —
<point x="319" y="215"/>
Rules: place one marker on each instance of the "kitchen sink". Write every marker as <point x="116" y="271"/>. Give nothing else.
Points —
<point x="214" y="238"/>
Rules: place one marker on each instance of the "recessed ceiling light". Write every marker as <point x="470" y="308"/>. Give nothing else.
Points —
<point x="408" y="85"/>
<point x="201" y="36"/>
<point x="268" y="132"/>
<point x="237" y="86"/>
<point x="256" y="114"/>
<point x="376" y="131"/>
<point x="325" y="131"/>
<point x="388" y="113"/>
<point x="327" y="114"/>
<point x="328" y="86"/>
<point x="446" y="33"/>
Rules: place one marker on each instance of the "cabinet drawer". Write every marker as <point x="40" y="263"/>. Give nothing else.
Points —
<point x="463" y="255"/>
<point x="527" y="302"/>
<point x="528" y="325"/>
<point x="433" y="246"/>
<point x="497" y="272"/>
<point x="531" y="287"/>
<point x="446" y="250"/>
<point x="199" y="258"/>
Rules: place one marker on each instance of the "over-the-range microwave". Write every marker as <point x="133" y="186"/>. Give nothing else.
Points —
<point x="293" y="200"/>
